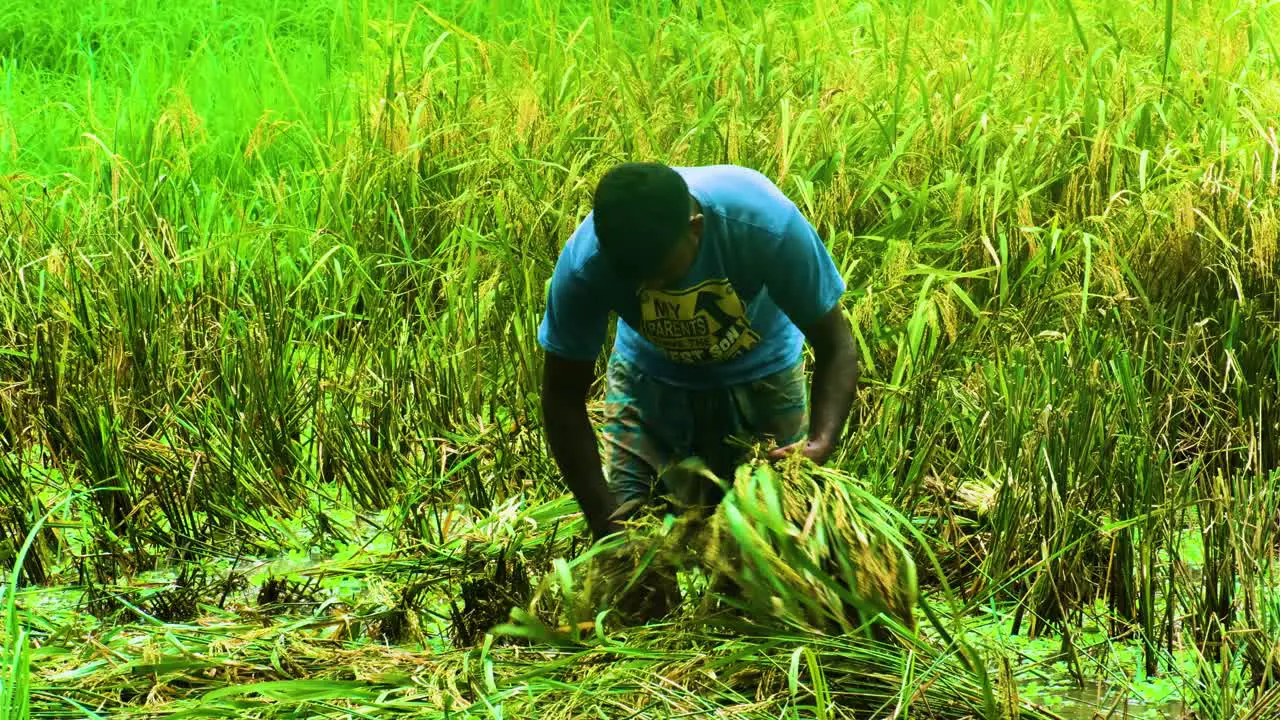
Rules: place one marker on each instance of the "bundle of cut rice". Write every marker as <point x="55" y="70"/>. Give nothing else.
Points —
<point x="794" y="544"/>
<point x="811" y="547"/>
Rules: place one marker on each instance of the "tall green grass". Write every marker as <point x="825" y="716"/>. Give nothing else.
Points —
<point x="276" y="262"/>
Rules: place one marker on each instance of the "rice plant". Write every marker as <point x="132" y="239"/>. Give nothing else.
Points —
<point x="270" y="442"/>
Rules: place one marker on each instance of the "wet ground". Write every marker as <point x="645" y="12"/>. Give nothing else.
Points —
<point x="1100" y="701"/>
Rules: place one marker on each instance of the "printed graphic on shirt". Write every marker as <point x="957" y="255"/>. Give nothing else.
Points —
<point x="704" y="323"/>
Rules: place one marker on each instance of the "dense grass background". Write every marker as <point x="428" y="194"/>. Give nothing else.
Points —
<point x="275" y="270"/>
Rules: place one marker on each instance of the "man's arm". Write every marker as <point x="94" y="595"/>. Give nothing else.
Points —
<point x="803" y="280"/>
<point x="835" y="383"/>
<point x="565" y="386"/>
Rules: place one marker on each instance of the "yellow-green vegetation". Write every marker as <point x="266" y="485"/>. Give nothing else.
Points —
<point x="804" y="548"/>
<point x="271" y="271"/>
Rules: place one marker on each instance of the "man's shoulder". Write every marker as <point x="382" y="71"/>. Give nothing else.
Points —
<point x="581" y="245"/>
<point x="580" y="260"/>
<point x="732" y="180"/>
<point x="741" y="195"/>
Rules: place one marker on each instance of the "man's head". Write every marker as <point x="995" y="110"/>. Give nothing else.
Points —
<point x="648" y="225"/>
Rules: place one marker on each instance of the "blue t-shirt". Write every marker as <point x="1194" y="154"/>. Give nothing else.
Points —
<point x="761" y="273"/>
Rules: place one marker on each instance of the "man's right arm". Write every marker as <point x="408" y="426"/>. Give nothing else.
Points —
<point x="565" y="387"/>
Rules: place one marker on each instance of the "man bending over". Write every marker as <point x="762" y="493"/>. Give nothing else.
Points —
<point x="717" y="280"/>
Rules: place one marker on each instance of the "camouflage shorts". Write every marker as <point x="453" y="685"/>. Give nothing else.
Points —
<point x="650" y="426"/>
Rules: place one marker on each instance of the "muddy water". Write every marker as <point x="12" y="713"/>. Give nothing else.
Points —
<point x="1093" y="702"/>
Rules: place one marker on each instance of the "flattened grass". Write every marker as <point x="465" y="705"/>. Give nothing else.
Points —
<point x="277" y="270"/>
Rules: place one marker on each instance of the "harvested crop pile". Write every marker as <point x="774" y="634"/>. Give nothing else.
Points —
<point x="795" y="552"/>
<point x="811" y="548"/>
<point x="797" y="545"/>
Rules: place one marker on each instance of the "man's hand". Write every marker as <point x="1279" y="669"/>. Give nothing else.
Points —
<point x="835" y="383"/>
<point x="818" y="452"/>
<point x="565" y="385"/>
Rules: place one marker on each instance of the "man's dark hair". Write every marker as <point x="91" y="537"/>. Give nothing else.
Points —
<point x="640" y="211"/>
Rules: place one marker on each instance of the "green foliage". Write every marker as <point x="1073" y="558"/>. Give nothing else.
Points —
<point x="275" y="271"/>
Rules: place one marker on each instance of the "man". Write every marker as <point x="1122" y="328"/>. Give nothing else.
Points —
<point x="717" y="279"/>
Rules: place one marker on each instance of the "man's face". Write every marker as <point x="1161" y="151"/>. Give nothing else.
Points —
<point x="680" y="258"/>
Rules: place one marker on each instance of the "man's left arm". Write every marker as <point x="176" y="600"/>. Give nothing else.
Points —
<point x="803" y="280"/>
<point x="834" y="385"/>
